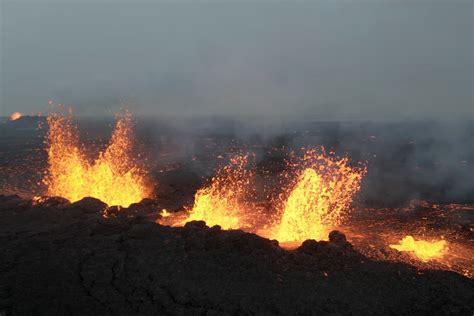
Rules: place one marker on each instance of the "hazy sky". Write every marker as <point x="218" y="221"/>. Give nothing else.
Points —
<point x="326" y="60"/>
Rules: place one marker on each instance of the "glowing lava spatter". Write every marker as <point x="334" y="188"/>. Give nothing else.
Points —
<point x="224" y="201"/>
<point x="15" y="116"/>
<point x="319" y="197"/>
<point x="114" y="177"/>
<point x="424" y="250"/>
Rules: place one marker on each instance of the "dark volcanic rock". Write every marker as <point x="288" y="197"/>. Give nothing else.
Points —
<point x="53" y="201"/>
<point x="147" y="208"/>
<point x="54" y="262"/>
<point x="195" y="224"/>
<point x="13" y="203"/>
<point x="88" y="205"/>
<point x="144" y="207"/>
<point x="337" y="237"/>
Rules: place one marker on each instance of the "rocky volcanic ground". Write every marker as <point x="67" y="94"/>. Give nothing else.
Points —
<point x="62" y="258"/>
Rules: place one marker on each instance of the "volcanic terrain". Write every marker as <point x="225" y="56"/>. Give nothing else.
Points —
<point x="88" y="257"/>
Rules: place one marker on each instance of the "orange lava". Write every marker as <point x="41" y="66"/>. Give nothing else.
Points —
<point x="224" y="201"/>
<point x="321" y="191"/>
<point x="114" y="176"/>
<point x="319" y="198"/>
<point x="15" y="116"/>
<point x="422" y="249"/>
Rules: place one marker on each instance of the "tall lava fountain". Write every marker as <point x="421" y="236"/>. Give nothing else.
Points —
<point x="113" y="177"/>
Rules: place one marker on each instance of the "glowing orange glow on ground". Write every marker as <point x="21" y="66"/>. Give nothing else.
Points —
<point x="224" y="201"/>
<point x="114" y="177"/>
<point x="319" y="198"/>
<point x="422" y="249"/>
<point x="15" y="116"/>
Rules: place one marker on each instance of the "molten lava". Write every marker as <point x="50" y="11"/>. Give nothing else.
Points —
<point x="319" y="198"/>
<point x="424" y="250"/>
<point x="15" y="116"/>
<point x="224" y="201"/>
<point x="114" y="177"/>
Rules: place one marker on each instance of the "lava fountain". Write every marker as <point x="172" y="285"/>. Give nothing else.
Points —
<point x="225" y="201"/>
<point x="15" y="116"/>
<point x="422" y="249"/>
<point x="114" y="177"/>
<point x="318" y="197"/>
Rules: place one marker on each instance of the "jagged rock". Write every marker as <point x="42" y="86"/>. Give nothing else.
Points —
<point x="143" y="208"/>
<point x="113" y="211"/>
<point x="312" y="246"/>
<point x="88" y="205"/>
<point x="216" y="228"/>
<point x="54" y="263"/>
<point x="339" y="239"/>
<point x="196" y="224"/>
<point x="13" y="203"/>
<point x="53" y="201"/>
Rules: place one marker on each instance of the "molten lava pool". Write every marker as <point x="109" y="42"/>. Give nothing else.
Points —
<point x="423" y="249"/>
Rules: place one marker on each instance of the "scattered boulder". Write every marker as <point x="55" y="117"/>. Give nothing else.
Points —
<point x="338" y="239"/>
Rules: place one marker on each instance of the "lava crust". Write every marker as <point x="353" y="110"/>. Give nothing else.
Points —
<point x="62" y="258"/>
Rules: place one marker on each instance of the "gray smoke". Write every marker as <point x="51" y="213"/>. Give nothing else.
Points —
<point x="325" y="60"/>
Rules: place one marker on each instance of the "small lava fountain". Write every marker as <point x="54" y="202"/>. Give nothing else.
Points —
<point x="15" y="116"/>
<point x="224" y="201"/>
<point x="422" y="249"/>
<point x="318" y="198"/>
<point x="114" y="177"/>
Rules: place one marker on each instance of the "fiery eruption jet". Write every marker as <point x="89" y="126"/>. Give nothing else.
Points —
<point x="113" y="177"/>
<point x="224" y="201"/>
<point x="318" y="198"/>
<point x="422" y="249"/>
<point x="321" y="190"/>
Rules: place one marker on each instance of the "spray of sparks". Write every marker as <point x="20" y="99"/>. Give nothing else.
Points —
<point x="318" y="198"/>
<point x="322" y="187"/>
<point x="224" y="201"/>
